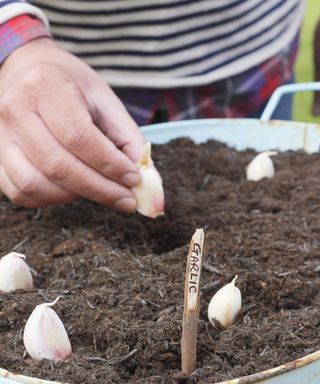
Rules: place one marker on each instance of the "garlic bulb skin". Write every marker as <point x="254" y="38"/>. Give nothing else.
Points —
<point x="225" y="304"/>
<point x="15" y="273"/>
<point x="149" y="193"/>
<point x="261" y="166"/>
<point x="45" y="336"/>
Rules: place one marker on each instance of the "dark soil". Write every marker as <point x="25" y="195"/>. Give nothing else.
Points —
<point x="122" y="276"/>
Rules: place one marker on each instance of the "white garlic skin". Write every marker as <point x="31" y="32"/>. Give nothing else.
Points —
<point x="149" y="193"/>
<point x="225" y="305"/>
<point x="15" y="273"/>
<point x="261" y="166"/>
<point x="45" y="336"/>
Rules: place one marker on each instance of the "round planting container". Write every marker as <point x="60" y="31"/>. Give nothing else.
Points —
<point x="261" y="135"/>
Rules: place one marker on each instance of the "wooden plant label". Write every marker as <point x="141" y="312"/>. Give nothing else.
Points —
<point x="191" y="304"/>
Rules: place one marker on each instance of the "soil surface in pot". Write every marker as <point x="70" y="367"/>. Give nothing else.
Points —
<point x="122" y="275"/>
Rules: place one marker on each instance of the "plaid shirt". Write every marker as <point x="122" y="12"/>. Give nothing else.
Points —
<point x="18" y="31"/>
<point x="242" y="95"/>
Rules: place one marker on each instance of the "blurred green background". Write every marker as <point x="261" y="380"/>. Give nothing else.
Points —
<point x="304" y="65"/>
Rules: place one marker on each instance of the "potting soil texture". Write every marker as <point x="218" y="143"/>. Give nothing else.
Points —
<point x="121" y="276"/>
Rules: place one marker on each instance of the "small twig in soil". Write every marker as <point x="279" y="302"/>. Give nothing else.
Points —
<point x="22" y="242"/>
<point x="38" y="214"/>
<point x="66" y="232"/>
<point x="97" y="358"/>
<point x="95" y="342"/>
<point x="114" y="361"/>
<point x="211" y="268"/>
<point x="210" y="286"/>
<point x="283" y="274"/>
<point x="90" y="305"/>
<point x="305" y="246"/>
<point x="266" y="349"/>
<point x="152" y="303"/>
<point x="108" y="270"/>
<point x="208" y="333"/>
<point x="113" y="252"/>
<point x="191" y="304"/>
<point x="164" y="312"/>
<point x="139" y="263"/>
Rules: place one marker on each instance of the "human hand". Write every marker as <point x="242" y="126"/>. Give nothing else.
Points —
<point x="64" y="133"/>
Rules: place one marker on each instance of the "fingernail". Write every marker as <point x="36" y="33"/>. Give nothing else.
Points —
<point x="131" y="179"/>
<point x="125" y="204"/>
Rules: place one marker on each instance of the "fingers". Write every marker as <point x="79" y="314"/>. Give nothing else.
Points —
<point x="25" y="184"/>
<point x="70" y="122"/>
<point x="66" y="170"/>
<point x="114" y="120"/>
<point x="16" y="196"/>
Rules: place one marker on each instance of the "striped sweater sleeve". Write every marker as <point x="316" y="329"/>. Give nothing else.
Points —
<point x="20" y="22"/>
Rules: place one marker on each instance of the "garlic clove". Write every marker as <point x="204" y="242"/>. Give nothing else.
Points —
<point x="149" y="193"/>
<point x="261" y="166"/>
<point x="15" y="273"/>
<point x="45" y="336"/>
<point x="225" y="304"/>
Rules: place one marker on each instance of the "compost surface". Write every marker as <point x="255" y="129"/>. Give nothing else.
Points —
<point x="122" y="275"/>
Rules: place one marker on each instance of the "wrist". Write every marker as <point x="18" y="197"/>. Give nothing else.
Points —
<point x="31" y="53"/>
<point x="17" y="32"/>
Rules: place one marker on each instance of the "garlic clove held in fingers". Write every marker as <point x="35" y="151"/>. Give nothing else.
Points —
<point x="225" y="304"/>
<point x="15" y="273"/>
<point x="44" y="335"/>
<point x="261" y="166"/>
<point x="149" y="193"/>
